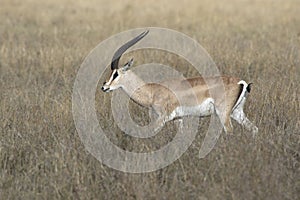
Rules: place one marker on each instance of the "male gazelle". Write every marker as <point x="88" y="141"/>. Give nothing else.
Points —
<point x="165" y="103"/>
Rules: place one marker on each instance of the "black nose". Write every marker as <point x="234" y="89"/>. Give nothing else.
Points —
<point x="104" y="90"/>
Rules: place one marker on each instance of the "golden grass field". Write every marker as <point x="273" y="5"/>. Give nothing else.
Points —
<point x="43" y="43"/>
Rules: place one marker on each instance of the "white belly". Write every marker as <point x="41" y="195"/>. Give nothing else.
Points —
<point x="206" y="108"/>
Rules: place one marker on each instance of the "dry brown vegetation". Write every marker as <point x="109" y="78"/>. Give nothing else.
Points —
<point x="42" y="44"/>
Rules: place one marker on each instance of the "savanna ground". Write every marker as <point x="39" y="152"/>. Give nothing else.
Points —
<point x="43" y="43"/>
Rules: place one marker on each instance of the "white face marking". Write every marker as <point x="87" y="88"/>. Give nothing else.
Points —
<point x="111" y="77"/>
<point x="206" y="108"/>
<point x="112" y="83"/>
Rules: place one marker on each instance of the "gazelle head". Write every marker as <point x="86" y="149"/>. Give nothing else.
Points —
<point x="118" y="74"/>
<point x="116" y="77"/>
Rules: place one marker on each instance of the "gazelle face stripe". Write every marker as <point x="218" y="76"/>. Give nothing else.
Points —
<point x="113" y="76"/>
<point x="107" y="85"/>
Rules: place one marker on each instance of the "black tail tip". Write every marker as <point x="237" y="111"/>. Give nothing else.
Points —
<point x="248" y="88"/>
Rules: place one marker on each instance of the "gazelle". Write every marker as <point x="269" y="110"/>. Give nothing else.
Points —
<point x="165" y="103"/>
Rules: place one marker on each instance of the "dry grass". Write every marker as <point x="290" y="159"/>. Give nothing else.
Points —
<point x="42" y="44"/>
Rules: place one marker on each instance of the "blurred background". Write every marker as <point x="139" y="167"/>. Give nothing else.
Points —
<point x="43" y="43"/>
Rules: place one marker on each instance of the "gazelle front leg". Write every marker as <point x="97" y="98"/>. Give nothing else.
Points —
<point x="163" y="119"/>
<point x="157" y="115"/>
<point x="179" y="124"/>
<point x="153" y="115"/>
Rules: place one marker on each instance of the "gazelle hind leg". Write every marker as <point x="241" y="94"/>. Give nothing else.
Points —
<point x="227" y="123"/>
<point x="239" y="116"/>
<point x="227" y="126"/>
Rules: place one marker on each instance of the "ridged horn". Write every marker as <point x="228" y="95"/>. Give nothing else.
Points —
<point x="124" y="47"/>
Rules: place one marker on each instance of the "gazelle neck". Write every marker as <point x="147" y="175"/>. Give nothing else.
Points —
<point x="136" y="89"/>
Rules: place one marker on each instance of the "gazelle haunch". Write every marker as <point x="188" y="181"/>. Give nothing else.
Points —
<point x="165" y="103"/>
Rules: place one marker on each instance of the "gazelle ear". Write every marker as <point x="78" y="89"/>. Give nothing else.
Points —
<point x="127" y="65"/>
